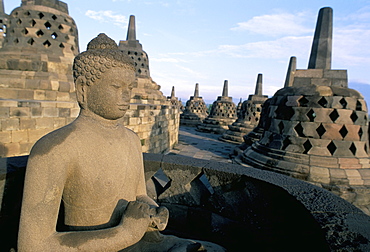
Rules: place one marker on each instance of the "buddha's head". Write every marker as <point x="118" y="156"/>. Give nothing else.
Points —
<point x="104" y="76"/>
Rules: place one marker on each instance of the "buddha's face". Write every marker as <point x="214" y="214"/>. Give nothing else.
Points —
<point x="109" y="96"/>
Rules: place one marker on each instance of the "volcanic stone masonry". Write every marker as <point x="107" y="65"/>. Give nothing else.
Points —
<point x="175" y="101"/>
<point x="195" y="110"/>
<point x="36" y="83"/>
<point x="317" y="128"/>
<point x="249" y="116"/>
<point x="150" y="115"/>
<point x="223" y="113"/>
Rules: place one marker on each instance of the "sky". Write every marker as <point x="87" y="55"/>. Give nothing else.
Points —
<point x="209" y="41"/>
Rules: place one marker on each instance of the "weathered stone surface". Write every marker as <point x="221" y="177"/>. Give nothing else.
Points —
<point x="103" y="209"/>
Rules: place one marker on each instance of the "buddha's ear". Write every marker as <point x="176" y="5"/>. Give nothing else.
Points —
<point x="81" y="90"/>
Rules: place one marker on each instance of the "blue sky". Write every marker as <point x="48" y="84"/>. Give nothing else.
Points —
<point x="209" y="41"/>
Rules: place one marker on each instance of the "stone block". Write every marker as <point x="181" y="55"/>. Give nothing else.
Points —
<point x="35" y="135"/>
<point x="45" y="85"/>
<point x="50" y="112"/>
<point x="32" y="84"/>
<point x="75" y="112"/>
<point x="25" y="148"/>
<point x="8" y="103"/>
<point x="19" y="112"/>
<point x="48" y="104"/>
<point x="339" y="82"/>
<point x="19" y="136"/>
<point x="337" y="74"/>
<point x="36" y="112"/>
<point x="309" y="73"/>
<point x="39" y="95"/>
<point x="8" y="93"/>
<point x="25" y="94"/>
<point x="45" y="123"/>
<point x="329" y="162"/>
<point x="51" y="95"/>
<point x="324" y="90"/>
<point x="66" y="105"/>
<point x="12" y="149"/>
<point x="10" y="124"/>
<point x="344" y="116"/>
<point x="64" y="86"/>
<point x="301" y="82"/>
<point x="322" y="82"/>
<point x="27" y="123"/>
<point x="332" y="131"/>
<point x="5" y="137"/>
<point x="337" y="173"/>
<point x="4" y="112"/>
<point x="54" y="85"/>
<point x="64" y="112"/>
<point x="319" y="174"/>
<point x="59" y="122"/>
<point x="63" y="96"/>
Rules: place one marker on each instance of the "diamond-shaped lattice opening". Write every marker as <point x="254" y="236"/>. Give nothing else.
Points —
<point x="286" y="143"/>
<point x="284" y="112"/>
<point x="32" y="23"/>
<point x="71" y="30"/>
<point x="47" y="25"/>
<point x="321" y="130"/>
<point x="200" y="189"/>
<point x="72" y="48"/>
<point x="343" y="131"/>
<point x="311" y="115"/>
<point x="307" y="146"/>
<point x="332" y="148"/>
<point x="334" y="115"/>
<point x="27" y="13"/>
<point x="161" y="181"/>
<point x="281" y="127"/>
<point x="16" y="41"/>
<point x="66" y="37"/>
<point x="39" y="33"/>
<point x="19" y="21"/>
<point x="25" y="31"/>
<point x="31" y="41"/>
<point x="54" y="17"/>
<point x="61" y="45"/>
<point x="343" y="102"/>
<point x="323" y="102"/>
<point x="299" y="129"/>
<point x="41" y="15"/>
<point x="60" y="27"/>
<point x="360" y="133"/>
<point x="47" y="43"/>
<point x="303" y="102"/>
<point x="358" y="106"/>
<point x="354" y="116"/>
<point x="353" y="149"/>
<point x="54" y="35"/>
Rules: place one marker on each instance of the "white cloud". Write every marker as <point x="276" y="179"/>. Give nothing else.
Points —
<point x="281" y="48"/>
<point x="276" y="24"/>
<point x="108" y="17"/>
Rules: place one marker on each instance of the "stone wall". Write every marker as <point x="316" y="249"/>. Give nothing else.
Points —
<point x="228" y="204"/>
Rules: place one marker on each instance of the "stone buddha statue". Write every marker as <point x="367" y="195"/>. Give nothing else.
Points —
<point x="84" y="187"/>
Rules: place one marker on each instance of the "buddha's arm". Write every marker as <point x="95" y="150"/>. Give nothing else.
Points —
<point x="45" y="179"/>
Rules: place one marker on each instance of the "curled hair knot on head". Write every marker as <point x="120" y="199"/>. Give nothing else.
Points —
<point x="102" y="54"/>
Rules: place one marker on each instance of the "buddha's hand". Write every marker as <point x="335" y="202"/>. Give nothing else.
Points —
<point x="137" y="216"/>
<point x="159" y="217"/>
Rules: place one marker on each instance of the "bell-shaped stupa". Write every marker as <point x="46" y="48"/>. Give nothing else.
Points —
<point x="223" y="113"/>
<point x="316" y="127"/>
<point x="249" y="116"/>
<point x="195" y="110"/>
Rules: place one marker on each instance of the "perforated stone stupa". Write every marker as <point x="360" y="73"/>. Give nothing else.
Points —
<point x="223" y="113"/>
<point x="317" y="128"/>
<point x="36" y="86"/>
<point x="249" y="116"/>
<point x="150" y="115"/>
<point x="195" y="110"/>
<point x="175" y="102"/>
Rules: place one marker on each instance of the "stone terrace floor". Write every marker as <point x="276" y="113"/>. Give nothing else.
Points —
<point x="202" y="145"/>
